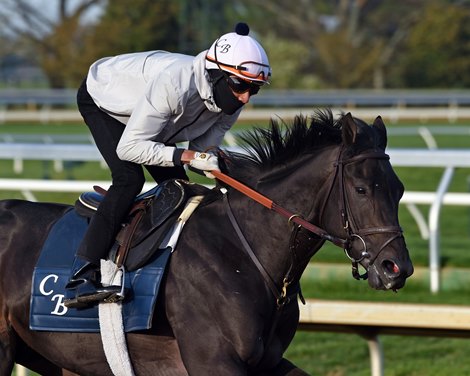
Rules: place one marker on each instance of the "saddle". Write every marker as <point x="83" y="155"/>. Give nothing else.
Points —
<point x="148" y="222"/>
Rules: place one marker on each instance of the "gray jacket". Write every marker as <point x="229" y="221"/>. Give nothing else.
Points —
<point x="163" y="98"/>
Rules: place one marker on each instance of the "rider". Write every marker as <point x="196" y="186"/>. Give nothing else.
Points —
<point x="138" y="106"/>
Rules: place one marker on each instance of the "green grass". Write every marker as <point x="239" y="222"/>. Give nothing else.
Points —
<point x="347" y="354"/>
<point x="44" y="128"/>
<point x="326" y="354"/>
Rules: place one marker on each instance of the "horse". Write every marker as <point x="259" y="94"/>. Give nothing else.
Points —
<point x="229" y="300"/>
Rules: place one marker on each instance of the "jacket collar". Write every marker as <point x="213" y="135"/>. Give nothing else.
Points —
<point x="202" y="81"/>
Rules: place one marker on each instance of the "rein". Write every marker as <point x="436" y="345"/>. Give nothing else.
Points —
<point x="280" y="294"/>
<point x="266" y="202"/>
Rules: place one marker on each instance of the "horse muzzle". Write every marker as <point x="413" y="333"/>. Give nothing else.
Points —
<point x="389" y="273"/>
<point x="388" y="267"/>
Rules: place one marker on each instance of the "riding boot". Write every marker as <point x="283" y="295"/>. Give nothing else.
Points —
<point x="82" y="272"/>
<point x="86" y="286"/>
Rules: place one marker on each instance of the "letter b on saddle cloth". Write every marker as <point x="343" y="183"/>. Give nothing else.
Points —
<point x="137" y="247"/>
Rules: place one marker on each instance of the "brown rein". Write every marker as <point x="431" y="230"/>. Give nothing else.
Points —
<point x="268" y="203"/>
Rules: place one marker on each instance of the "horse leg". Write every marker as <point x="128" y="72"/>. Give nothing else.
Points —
<point x="7" y="345"/>
<point x="155" y="355"/>
<point x="6" y="359"/>
<point x="284" y="368"/>
<point x="30" y="359"/>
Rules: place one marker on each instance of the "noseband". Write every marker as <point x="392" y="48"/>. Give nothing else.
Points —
<point x="347" y="218"/>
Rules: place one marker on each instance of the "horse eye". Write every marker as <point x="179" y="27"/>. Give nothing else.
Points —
<point x="360" y="190"/>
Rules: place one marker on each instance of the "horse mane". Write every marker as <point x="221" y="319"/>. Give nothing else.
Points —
<point x="281" y="143"/>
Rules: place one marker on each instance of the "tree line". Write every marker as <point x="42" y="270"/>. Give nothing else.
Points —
<point x="312" y="44"/>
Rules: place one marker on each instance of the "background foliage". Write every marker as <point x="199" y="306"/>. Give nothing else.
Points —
<point x="311" y="43"/>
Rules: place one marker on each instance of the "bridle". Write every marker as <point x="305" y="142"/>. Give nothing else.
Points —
<point x="282" y="295"/>
<point x="297" y="222"/>
<point x="347" y="217"/>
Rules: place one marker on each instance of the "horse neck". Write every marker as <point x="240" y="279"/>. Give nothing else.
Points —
<point x="302" y="192"/>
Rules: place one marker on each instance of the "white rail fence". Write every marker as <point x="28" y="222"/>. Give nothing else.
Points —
<point x="389" y="114"/>
<point x="46" y="105"/>
<point x="17" y="144"/>
<point x="373" y="319"/>
<point x="449" y="160"/>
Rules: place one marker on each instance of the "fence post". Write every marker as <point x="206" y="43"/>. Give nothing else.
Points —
<point x="434" y="238"/>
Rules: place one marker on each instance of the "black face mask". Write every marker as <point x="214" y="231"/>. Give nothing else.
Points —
<point x="223" y="95"/>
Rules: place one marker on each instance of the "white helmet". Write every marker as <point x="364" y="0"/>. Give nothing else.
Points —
<point x="239" y="54"/>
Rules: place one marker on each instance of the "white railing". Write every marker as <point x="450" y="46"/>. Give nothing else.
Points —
<point x="371" y="319"/>
<point x="276" y="98"/>
<point x="389" y="114"/>
<point x="429" y="228"/>
<point x="449" y="159"/>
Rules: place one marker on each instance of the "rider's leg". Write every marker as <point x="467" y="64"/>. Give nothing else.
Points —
<point x="127" y="181"/>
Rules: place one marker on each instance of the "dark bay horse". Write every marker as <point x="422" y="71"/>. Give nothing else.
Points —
<point x="229" y="302"/>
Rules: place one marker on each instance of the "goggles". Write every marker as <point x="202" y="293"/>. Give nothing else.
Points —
<point x="251" y="70"/>
<point x="241" y="86"/>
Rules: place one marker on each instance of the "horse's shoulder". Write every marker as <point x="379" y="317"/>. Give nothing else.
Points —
<point x="23" y="207"/>
<point x="11" y="203"/>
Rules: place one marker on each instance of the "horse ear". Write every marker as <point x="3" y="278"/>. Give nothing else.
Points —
<point x="349" y="129"/>
<point x="380" y="126"/>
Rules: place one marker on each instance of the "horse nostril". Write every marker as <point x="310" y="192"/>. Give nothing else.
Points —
<point x="390" y="267"/>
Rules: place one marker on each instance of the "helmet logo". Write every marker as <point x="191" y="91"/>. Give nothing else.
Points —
<point x="223" y="48"/>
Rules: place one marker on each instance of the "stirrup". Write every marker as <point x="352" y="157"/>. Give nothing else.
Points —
<point x="96" y="294"/>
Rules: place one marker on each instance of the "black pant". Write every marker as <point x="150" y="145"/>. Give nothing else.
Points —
<point x="127" y="180"/>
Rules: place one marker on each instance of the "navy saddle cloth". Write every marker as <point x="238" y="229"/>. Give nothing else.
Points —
<point x="142" y="284"/>
<point x="52" y="272"/>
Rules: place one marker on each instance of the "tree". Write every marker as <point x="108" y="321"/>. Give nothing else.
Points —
<point x="183" y="26"/>
<point x="147" y="24"/>
<point x="65" y="42"/>
<point x="55" y="36"/>
<point x="311" y="43"/>
<point x="438" y="48"/>
<point x="351" y="43"/>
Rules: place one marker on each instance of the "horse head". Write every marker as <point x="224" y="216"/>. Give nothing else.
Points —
<point x="336" y="175"/>
<point x="366" y="192"/>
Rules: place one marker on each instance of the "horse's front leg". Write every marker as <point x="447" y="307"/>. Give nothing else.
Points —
<point x="210" y="346"/>
<point x="209" y="358"/>
<point x="7" y="345"/>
